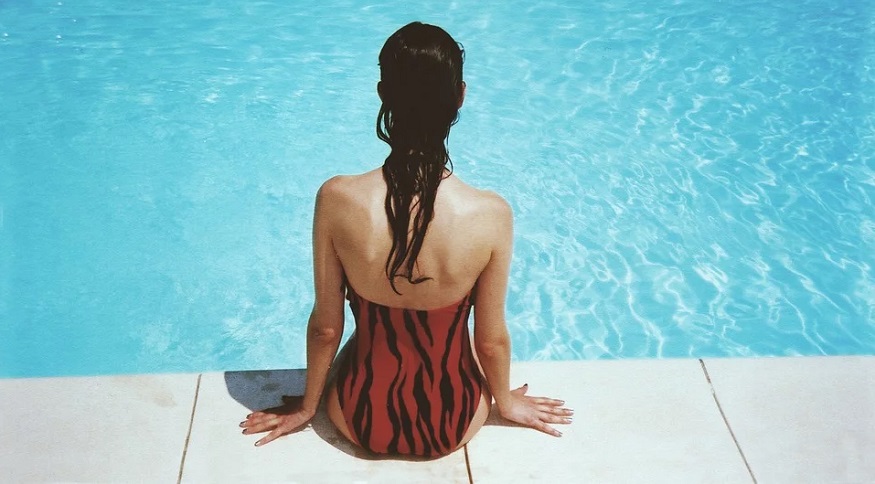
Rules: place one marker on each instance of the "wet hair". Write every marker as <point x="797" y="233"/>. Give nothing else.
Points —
<point x="421" y="88"/>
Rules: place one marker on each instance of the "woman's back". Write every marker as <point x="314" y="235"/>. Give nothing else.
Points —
<point x="412" y="247"/>
<point x="459" y="243"/>
<point x="409" y="383"/>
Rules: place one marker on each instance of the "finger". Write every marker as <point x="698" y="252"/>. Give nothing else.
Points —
<point x="262" y="426"/>
<point x="543" y="427"/>
<point x="554" y="410"/>
<point x="280" y="430"/>
<point x="253" y="420"/>
<point x="270" y="437"/>
<point x="521" y="390"/>
<point x="258" y="420"/>
<point x="547" y="401"/>
<point x="555" y="419"/>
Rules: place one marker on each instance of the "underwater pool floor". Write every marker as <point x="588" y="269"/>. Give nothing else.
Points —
<point x="804" y="419"/>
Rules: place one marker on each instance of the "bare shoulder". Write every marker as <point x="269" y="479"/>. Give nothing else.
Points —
<point x="496" y="204"/>
<point x="331" y="188"/>
<point x="338" y="185"/>
<point x="499" y="215"/>
<point x="484" y="203"/>
<point x="344" y="188"/>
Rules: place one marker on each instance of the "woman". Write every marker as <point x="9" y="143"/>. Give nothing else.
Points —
<point x="413" y="248"/>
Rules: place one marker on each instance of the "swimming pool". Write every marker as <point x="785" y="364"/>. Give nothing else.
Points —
<point x="688" y="178"/>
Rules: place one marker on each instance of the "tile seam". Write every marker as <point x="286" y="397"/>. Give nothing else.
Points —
<point x="726" y="421"/>
<point x="468" y="465"/>
<point x="197" y="389"/>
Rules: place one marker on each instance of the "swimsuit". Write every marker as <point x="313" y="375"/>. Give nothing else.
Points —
<point x="409" y="383"/>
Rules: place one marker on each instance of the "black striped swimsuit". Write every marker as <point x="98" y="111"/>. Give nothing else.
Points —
<point x="409" y="384"/>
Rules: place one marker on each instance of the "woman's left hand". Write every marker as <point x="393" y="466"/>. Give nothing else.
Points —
<point x="536" y="412"/>
<point x="280" y="420"/>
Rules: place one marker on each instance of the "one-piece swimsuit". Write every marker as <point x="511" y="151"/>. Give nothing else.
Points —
<point x="409" y="383"/>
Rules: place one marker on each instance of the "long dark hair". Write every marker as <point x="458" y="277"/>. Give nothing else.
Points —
<point x="421" y="89"/>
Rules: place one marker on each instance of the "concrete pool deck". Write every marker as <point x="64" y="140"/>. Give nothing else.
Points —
<point x="766" y="420"/>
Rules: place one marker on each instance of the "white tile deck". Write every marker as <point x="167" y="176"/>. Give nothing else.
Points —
<point x="107" y="429"/>
<point x="801" y="419"/>
<point x="796" y="420"/>
<point x="218" y="452"/>
<point x="635" y="421"/>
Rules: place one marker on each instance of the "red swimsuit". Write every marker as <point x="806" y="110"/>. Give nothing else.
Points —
<point x="409" y="384"/>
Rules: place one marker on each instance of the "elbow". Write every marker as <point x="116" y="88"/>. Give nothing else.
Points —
<point x="324" y="328"/>
<point x="493" y="348"/>
<point x="325" y="335"/>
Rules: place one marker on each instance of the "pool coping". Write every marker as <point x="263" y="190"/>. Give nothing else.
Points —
<point x="796" y="419"/>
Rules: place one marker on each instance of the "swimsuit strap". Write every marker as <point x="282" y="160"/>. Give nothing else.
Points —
<point x="352" y="296"/>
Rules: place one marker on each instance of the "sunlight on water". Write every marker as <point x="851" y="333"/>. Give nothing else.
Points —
<point x="688" y="178"/>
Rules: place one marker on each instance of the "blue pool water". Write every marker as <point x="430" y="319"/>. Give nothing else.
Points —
<point x="688" y="178"/>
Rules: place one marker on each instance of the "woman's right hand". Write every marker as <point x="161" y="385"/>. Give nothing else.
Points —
<point x="278" y="421"/>
<point x="536" y="412"/>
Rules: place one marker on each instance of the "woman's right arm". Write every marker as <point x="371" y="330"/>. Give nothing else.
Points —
<point x="324" y="328"/>
<point x="492" y="340"/>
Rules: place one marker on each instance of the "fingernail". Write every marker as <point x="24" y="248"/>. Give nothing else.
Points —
<point x="242" y="423"/>
<point x="249" y="415"/>
<point x="258" y="443"/>
<point x="525" y="384"/>
<point x="244" y="431"/>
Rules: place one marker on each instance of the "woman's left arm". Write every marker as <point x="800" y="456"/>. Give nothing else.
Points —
<point x="324" y="328"/>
